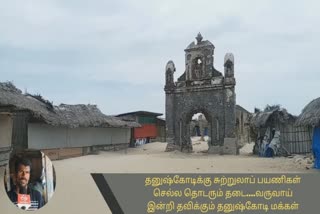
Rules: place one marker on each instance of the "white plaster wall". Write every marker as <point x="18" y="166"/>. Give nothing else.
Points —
<point x="97" y="136"/>
<point x="42" y="136"/>
<point x="88" y="137"/>
<point x="5" y="130"/>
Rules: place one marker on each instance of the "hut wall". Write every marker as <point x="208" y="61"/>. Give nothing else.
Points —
<point x="20" y="130"/>
<point x="296" y="140"/>
<point x="5" y="131"/>
<point x="43" y="136"/>
<point x="5" y="137"/>
<point x="146" y="131"/>
<point x="81" y="137"/>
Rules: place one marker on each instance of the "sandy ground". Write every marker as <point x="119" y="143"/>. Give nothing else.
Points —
<point x="76" y="191"/>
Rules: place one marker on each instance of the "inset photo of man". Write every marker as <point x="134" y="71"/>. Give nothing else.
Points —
<point x="31" y="181"/>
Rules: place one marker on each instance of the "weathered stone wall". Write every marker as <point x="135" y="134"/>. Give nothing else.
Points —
<point x="242" y="127"/>
<point x="206" y="60"/>
<point x="218" y="106"/>
<point x="207" y="102"/>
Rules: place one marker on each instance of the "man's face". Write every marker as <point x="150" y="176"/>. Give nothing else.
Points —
<point x="23" y="175"/>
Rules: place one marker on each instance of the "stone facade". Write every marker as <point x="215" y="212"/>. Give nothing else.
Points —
<point x="201" y="89"/>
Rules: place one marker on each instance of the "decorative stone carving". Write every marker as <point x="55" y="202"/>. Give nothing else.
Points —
<point x="170" y="69"/>
<point x="229" y="65"/>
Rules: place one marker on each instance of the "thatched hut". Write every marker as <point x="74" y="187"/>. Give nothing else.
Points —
<point x="293" y="139"/>
<point x="61" y="131"/>
<point x="310" y="117"/>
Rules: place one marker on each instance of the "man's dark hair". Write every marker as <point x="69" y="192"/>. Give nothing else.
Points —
<point x="22" y="161"/>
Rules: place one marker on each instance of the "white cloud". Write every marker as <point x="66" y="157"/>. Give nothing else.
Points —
<point x="129" y="42"/>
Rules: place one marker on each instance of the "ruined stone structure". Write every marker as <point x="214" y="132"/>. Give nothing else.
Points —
<point x="201" y="89"/>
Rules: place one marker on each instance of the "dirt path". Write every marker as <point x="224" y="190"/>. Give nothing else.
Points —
<point x="77" y="193"/>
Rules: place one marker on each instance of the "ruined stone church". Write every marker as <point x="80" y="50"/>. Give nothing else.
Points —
<point x="201" y="89"/>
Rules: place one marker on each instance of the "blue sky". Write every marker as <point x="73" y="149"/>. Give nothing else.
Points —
<point x="113" y="53"/>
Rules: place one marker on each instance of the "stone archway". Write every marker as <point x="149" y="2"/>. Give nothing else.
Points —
<point x="188" y="120"/>
<point x="201" y="89"/>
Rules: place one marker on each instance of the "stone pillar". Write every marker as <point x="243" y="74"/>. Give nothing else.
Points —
<point x="230" y="144"/>
<point x="170" y="122"/>
<point x="214" y="148"/>
<point x="230" y="116"/>
<point x="186" y="144"/>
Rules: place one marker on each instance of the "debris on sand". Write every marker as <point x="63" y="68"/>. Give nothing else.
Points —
<point x="305" y="161"/>
<point x="247" y="148"/>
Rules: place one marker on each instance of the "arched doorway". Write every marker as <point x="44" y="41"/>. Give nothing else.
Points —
<point x="199" y="134"/>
